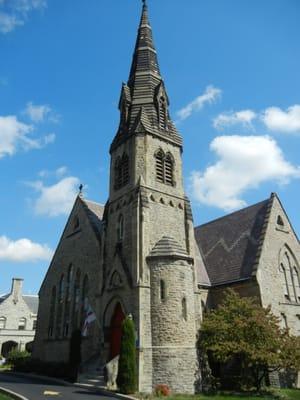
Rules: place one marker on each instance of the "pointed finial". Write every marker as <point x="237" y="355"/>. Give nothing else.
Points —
<point x="80" y="189"/>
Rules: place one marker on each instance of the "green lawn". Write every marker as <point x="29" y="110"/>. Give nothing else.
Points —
<point x="3" y="397"/>
<point x="283" y="394"/>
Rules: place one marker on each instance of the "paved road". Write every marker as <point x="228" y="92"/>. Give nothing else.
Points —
<point x="34" y="389"/>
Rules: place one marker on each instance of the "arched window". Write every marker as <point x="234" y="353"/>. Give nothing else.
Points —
<point x="296" y="282"/>
<point x="76" y="300"/>
<point x="162" y="290"/>
<point x="61" y="288"/>
<point x="286" y="285"/>
<point x="121" y="171"/>
<point x="2" y="322"/>
<point x="160" y="159"/>
<point x="184" y="309"/>
<point x="22" y="324"/>
<point x="169" y="169"/>
<point x="52" y="312"/>
<point x="120" y="230"/>
<point x="84" y="298"/>
<point x="162" y="113"/>
<point x="280" y="221"/>
<point x="125" y="169"/>
<point x="164" y="165"/>
<point x="70" y="282"/>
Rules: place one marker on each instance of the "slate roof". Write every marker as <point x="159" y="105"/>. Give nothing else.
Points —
<point x="166" y="247"/>
<point x="94" y="212"/>
<point x="32" y="301"/>
<point x="230" y="245"/>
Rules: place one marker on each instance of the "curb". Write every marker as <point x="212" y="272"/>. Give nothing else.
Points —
<point x="14" y="395"/>
<point x="105" y="392"/>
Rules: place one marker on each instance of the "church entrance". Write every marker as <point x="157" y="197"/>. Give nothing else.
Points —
<point x="116" y="331"/>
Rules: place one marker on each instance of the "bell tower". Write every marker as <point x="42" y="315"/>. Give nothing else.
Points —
<point x="149" y="232"/>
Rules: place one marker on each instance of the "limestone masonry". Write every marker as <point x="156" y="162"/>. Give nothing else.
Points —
<point x="140" y="253"/>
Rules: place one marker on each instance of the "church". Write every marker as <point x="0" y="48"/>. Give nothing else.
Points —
<point x="141" y="254"/>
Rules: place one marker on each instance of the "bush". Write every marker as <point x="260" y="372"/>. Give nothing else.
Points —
<point x="162" y="390"/>
<point x="127" y="379"/>
<point x="17" y="358"/>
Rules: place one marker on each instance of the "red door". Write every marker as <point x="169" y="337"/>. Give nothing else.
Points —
<point x="116" y="331"/>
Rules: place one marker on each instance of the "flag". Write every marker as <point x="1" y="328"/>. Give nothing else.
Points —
<point x="90" y="317"/>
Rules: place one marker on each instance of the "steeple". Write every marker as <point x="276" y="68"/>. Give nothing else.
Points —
<point x="144" y="96"/>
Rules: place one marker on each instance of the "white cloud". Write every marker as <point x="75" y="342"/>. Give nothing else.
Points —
<point x="244" y="162"/>
<point x="59" y="172"/>
<point x="287" y="121"/>
<point x="37" y="113"/>
<point x="15" y="135"/>
<point x="211" y="95"/>
<point x="244" y="117"/>
<point x="57" y="199"/>
<point x="23" y="250"/>
<point x="15" y="13"/>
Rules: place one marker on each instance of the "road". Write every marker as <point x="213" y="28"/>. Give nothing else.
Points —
<point x="37" y="389"/>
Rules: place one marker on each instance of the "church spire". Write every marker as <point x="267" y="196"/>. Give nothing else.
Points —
<point x="144" y="95"/>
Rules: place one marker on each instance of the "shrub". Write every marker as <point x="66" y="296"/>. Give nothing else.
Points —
<point x="127" y="380"/>
<point x="162" y="390"/>
<point x="17" y="358"/>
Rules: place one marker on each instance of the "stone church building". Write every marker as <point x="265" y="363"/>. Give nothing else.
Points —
<point x="140" y="254"/>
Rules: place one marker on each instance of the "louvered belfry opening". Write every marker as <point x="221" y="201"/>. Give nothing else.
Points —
<point x="164" y="168"/>
<point x="162" y="113"/>
<point x="122" y="171"/>
<point x="160" y="166"/>
<point x="168" y="170"/>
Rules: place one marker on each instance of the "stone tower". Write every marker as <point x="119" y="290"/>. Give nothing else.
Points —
<point x="148" y="255"/>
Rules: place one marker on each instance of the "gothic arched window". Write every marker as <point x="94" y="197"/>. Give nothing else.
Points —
<point x="120" y="231"/>
<point x="84" y="298"/>
<point x="61" y="288"/>
<point x="164" y="164"/>
<point x="70" y="282"/>
<point x="76" y="299"/>
<point x="121" y="171"/>
<point x="169" y="169"/>
<point x="160" y="159"/>
<point x="286" y="285"/>
<point x="52" y="312"/>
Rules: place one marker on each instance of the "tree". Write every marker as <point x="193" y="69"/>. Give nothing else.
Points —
<point x="127" y="375"/>
<point x="242" y="331"/>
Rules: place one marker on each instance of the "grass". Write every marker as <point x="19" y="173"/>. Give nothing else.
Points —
<point x="4" y="397"/>
<point x="282" y="394"/>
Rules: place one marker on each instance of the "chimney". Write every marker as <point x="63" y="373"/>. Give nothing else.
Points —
<point x="16" y="289"/>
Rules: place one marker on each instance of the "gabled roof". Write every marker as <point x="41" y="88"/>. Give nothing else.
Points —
<point x="94" y="212"/>
<point x="231" y="244"/>
<point x="32" y="301"/>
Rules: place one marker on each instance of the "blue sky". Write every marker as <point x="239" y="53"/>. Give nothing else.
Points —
<point x="231" y="70"/>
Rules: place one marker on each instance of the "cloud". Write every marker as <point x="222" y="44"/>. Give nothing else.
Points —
<point x="57" y="199"/>
<point x="23" y="250"/>
<point x="211" y="95"/>
<point x="244" y="117"/>
<point x="37" y="113"/>
<point x="287" y="121"/>
<point x="273" y="118"/>
<point x="15" y="135"/>
<point x="244" y="162"/>
<point x="59" y="172"/>
<point x="14" y="13"/>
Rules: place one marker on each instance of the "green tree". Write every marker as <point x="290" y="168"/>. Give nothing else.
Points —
<point x="241" y="330"/>
<point x="127" y="374"/>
